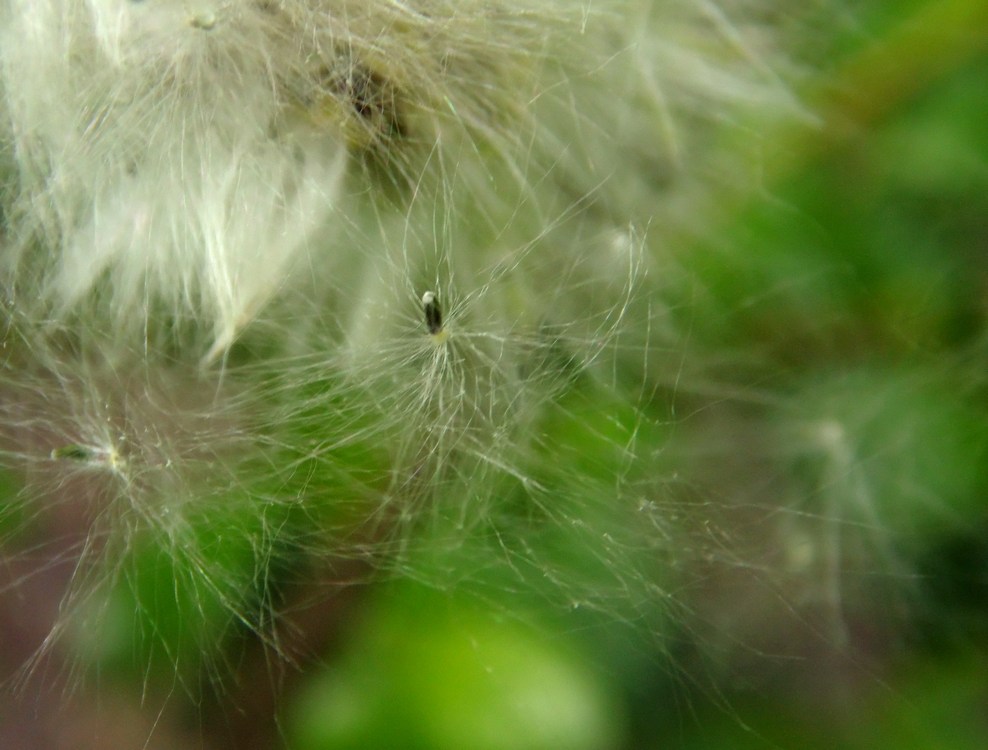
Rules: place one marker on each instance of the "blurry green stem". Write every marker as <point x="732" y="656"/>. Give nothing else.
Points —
<point x="939" y="37"/>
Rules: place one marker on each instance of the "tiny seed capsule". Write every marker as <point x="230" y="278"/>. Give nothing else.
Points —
<point x="73" y="452"/>
<point x="433" y="313"/>
<point x="205" y="21"/>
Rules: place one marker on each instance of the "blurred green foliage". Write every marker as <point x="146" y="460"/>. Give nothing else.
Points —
<point x="424" y="671"/>
<point x="858" y="281"/>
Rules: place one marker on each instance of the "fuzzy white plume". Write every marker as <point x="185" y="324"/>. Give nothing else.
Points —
<point x="274" y="185"/>
<point x="172" y="160"/>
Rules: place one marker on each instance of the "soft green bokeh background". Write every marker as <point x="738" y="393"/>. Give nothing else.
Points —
<point x="861" y="284"/>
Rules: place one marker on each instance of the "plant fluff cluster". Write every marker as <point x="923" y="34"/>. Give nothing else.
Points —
<point x="220" y="219"/>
